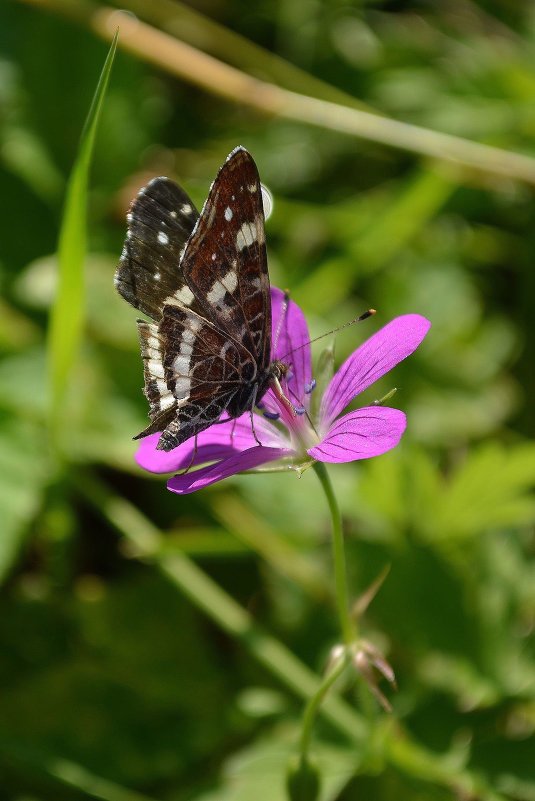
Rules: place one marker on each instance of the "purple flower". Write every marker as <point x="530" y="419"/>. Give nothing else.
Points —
<point x="296" y="440"/>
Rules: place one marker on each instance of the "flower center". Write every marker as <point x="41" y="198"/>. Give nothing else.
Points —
<point x="297" y="421"/>
<point x="302" y="434"/>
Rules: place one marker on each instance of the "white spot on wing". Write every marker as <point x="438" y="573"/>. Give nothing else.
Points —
<point x="162" y="388"/>
<point x="229" y="214"/>
<point x="184" y="295"/>
<point x="181" y="362"/>
<point x="182" y="387"/>
<point x="188" y="335"/>
<point x="166" y="401"/>
<point x="228" y="283"/>
<point x="163" y="239"/>
<point x="217" y="293"/>
<point x="172" y="214"/>
<point x="151" y="353"/>
<point x="246" y="235"/>
<point x="186" y="208"/>
<point x="155" y="368"/>
<point x="252" y="188"/>
<point x="181" y="365"/>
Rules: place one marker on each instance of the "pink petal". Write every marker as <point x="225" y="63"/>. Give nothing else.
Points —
<point x="217" y="442"/>
<point x="246" y="460"/>
<point x="367" y="432"/>
<point x="291" y="345"/>
<point x="375" y="357"/>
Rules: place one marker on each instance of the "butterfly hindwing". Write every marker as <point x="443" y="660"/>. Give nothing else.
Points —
<point x="162" y="402"/>
<point x="160" y="222"/>
<point x="203" y="369"/>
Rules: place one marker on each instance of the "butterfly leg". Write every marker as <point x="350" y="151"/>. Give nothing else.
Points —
<point x="232" y="431"/>
<point x="253" y="428"/>
<point x="192" y="460"/>
<point x="253" y="404"/>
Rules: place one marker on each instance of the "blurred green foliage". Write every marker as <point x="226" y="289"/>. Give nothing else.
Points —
<point x="114" y="684"/>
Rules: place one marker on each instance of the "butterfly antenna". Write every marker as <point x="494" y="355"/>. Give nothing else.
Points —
<point x="359" y="319"/>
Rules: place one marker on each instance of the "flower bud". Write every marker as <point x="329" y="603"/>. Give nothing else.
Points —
<point x="366" y="658"/>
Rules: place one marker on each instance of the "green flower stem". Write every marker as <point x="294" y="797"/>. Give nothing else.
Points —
<point x="347" y="624"/>
<point x="314" y="704"/>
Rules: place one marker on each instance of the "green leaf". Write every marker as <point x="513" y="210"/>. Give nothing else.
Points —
<point x="491" y="489"/>
<point x="67" y="312"/>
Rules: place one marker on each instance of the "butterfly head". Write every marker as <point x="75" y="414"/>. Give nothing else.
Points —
<point x="278" y="369"/>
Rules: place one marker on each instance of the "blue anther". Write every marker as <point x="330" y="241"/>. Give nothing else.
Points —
<point x="300" y="410"/>
<point x="310" y="387"/>
<point x="271" y="415"/>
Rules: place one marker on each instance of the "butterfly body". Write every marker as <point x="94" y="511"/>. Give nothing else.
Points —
<point x="203" y="281"/>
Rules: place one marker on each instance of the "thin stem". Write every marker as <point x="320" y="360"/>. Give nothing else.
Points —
<point x="347" y="625"/>
<point x="312" y="708"/>
<point x="191" y="64"/>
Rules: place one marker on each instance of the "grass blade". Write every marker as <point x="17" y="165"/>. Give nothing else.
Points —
<point x="67" y="312"/>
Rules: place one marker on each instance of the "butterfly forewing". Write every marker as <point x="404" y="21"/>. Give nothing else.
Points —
<point x="225" y="263"/>
<point x="160" y="222"/>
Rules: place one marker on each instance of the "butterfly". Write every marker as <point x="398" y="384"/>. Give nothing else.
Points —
<point x="203" y="281"/>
